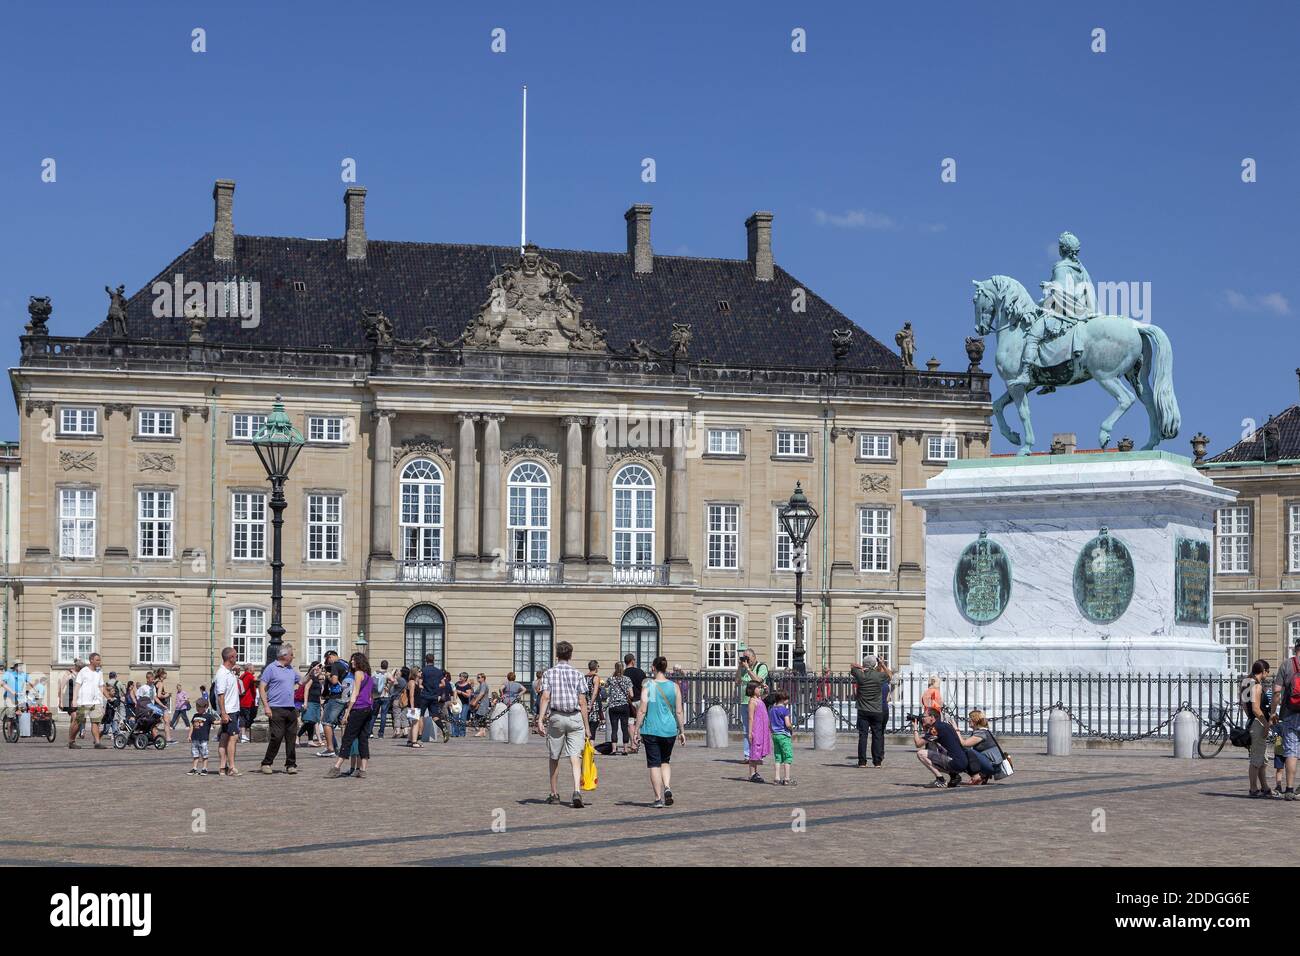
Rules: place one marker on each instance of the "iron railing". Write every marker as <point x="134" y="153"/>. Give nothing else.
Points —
<point x="1100" y="705"/>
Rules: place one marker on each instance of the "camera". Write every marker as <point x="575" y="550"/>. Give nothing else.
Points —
<point x="913" y="718"/>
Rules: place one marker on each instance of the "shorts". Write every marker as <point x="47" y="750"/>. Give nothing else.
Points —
<point x="944" y="762"/>
<point x="93" y="714"/>
<point x="230" y="729"/>
<point x="1289" y="728"/>
<point x="199" y="749"/>
<point x="564" y="735"/>
<point x="246" y="716"/>
<point x="783" y="748"/>
<point x="658" y="750"/>
<point x="1279" y="762"/>
<point x="332" y="712"/>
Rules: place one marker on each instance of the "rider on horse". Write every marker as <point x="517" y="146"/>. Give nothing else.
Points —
<point x="1068" y="297"/>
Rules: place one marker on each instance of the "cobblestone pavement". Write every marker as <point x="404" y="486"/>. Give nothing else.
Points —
<point x="437" y="806"/>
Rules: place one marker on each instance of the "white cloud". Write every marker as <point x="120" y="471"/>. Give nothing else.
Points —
<point x="1272" y="303"/>
<point x="853" y="219"/>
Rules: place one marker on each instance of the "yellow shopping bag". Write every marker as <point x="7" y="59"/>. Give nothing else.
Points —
<point x="588" y="766"/>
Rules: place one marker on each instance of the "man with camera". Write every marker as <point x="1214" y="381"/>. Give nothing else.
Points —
<point x="939" y="748"/>
<point x="869" y="679"/>
<point x="749" y="670"/>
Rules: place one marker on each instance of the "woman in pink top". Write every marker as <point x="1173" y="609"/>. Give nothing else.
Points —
<point x="760" y="730"/>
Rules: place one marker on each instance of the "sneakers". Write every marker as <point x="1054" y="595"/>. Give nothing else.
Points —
<point x="203" y="773"/>
<point x="361" y="775"/>
<point x="553" y="799"/>
<point x="291" y="770"/>
<point x="786" y="783"/>
<point x="266" y="770"/>
<point x="101" y="746"/>
<point x="756" y="779"/>
<point x="326" y="753"/>
<point x="936" y="784"/>
<point x="332" y="773"/>
<point x="658" y="805"/>
<point x="668" y="797"/>
<point x="1288" y="794"/>
<point x="954" y="780"/>
<point x="232" y="772"/>
<point x="244" y="740"/>
<point x="577" y="800"/>
<point x="192" y="772"/>
<point x="861" y="764"/>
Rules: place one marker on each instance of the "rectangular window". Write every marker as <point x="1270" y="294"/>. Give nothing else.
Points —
<point x="78" y="421"/>
<point x="325" y="428"/>
<point x="245" y="426"/>
<point x="875" y="446"/>
<point x="941" y="448"/>
<point x="784" y="549"/>
<point x="76" y="523"/>
<point x="248" y="635"/>
<point x="784" y="657"/>
<point x="155" y="518"/>
<point x="76" y="632"/>
<point x="248" y="526"/>
<point x="155" y="423"/>
<point x="724" y="441"/>
<point x="1293" y="539"/>
<point x="153" y="635"/>
<point x="324" y="527"/>
<point x="874" y="539"/>
<point x="324" y="633"/>
<point x="722" y="641"/>
<point x="724" y="536"/>
<point x="1232" y="532"/>
<point x="792" y="444"/>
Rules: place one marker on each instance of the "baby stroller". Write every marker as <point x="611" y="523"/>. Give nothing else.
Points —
<point x="141" y="728"/>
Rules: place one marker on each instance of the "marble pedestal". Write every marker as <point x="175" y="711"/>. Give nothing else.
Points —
<point x="1027" y="565"/>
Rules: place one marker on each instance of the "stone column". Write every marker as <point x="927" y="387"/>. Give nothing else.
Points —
<point x="466" y="490"/>
<point x="843" y="520"/>
<point x="598" y="501"/>
<point x="573" y="486"/>
<point x="678" y="546"/>
<point x="381" y="490"/>
<point x="41" y="510"/>
<point x="196" y="488"/>
<point x="910" y="534"/>
<point x="492" y="544"/>
<point x="119" y="505"/>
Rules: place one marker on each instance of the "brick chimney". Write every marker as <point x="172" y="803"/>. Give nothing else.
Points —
<point x="758" y="229"/>
<point x="223" y="225"/>
<point x="638" y="238"/>
<point x="354" y="200"/>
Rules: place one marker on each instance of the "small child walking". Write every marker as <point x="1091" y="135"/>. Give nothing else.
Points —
<point x="200" y="728"/>
<point x="782" y="737"/>
<point x="760" y="731"/>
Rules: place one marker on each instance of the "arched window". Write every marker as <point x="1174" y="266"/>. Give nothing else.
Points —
<point x="421" y="521"/>
<point x="721" y="640"/>
<point x="530" y="516"/>
<point x="1234" y="634"/>
<point x="783" y="639"/>
<point x="640" y="636"/>
<point x="154" y="633"/>
<point x="634" y="525"/>
<point x="534" y="642"/>
<point x="76" y="632"/>
<point x="248" y="635"/>
<point x="877" y="639"/>
<point x="426" y="632"/>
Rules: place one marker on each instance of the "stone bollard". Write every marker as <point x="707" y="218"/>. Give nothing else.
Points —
<point x="1187" y="730"/>
<point x="518" y="724"/>
<point x="715" y="727"/>
<point x="1058" y="733"/>
<point x="499" y="728"/>
<point x="824" y="729"/>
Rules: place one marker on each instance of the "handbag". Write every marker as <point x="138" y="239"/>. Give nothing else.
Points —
<point x="455" y="707"/>
<point x="589" y="776"/>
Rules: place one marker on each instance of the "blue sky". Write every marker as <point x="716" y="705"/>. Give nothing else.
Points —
<point x="1137" y="150"/>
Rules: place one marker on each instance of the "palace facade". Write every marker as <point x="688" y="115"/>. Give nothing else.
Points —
<point x="503" y="449"/>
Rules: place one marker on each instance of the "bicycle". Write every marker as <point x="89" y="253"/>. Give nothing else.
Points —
<point x="1215" y="737"/>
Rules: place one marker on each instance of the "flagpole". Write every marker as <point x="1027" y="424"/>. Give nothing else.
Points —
<point x="523" y="187"/>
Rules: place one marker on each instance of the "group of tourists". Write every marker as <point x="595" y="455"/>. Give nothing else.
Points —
<point x="1271" y="707"/>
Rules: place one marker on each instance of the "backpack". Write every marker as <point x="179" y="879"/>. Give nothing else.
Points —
<point x="1293" y="697"/>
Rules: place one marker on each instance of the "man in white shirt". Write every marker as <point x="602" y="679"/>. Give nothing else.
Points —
<point x="225" y="704"/>
<point x="88" y="698"/>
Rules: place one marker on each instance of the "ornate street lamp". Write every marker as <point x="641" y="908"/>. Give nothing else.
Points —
<point x="797" y="518"/>
<point x="277" y="444"/>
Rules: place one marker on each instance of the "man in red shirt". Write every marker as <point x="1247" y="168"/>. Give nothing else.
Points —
<point x="247" y="702"/>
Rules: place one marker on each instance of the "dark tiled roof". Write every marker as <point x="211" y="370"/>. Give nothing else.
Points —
<point x="1279" y="437"/>
<point x="443" y="286"/>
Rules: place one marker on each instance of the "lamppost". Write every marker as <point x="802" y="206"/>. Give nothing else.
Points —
<point x="277" y="444"/>
<point x="797" y="518"/>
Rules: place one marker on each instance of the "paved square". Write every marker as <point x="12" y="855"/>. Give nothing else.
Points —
<point x="436" y="807"/>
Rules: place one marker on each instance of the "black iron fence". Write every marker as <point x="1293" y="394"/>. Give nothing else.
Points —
<point x="1119" y="706"/>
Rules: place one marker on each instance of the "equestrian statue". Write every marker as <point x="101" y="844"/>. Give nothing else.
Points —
<point x="1062" y="340"/>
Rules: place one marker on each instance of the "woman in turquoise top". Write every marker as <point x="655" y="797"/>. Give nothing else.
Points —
<point x="659" y="725"/>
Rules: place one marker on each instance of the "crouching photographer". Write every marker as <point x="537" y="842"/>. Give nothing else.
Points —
<point x="939" y="748"/>
<point x="984" y="755"/>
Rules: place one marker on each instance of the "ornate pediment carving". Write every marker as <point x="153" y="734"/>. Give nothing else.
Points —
<point x="529" y="447"/>
<point x="422" y="446"/>
<point x="531" y="306"/>
<point x="618" y="457"/>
